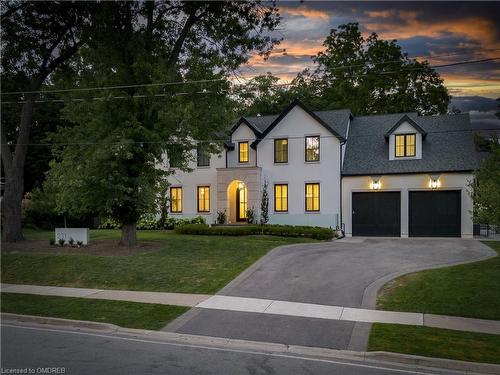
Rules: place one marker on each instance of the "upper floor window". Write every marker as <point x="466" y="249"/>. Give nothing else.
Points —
<point x="175" y="199"/>
<point x="202" y="156"/>
<point x="203" y="198"/>
<point x="405" y="145"/>
<point x="312" y="148"/>
<point x="281" y="150"/>
<point x="312" y="197"/>
<point x="243" y="152"/>
<point x="281" y="198"/>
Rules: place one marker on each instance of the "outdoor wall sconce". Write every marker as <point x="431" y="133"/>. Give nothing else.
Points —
<point x="376" y="182"/>
<point x="434" y="183"/>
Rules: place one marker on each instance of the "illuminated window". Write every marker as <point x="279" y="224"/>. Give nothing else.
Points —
<point x="203" y="199"/>
<point x="312" y="148"/>
<point x="312" y="197"/>
<point x="175" y="199"/>
<point x="405" y="145"/>
<point x="281" y="197"/>
<point x="202" y="156"/>
<point x="242" y="203"/>
<point x="281" y="150"/>
<point x="243" y="152"/>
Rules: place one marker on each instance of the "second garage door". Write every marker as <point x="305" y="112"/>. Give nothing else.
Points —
<point x="376" y="214"/>
<point x="435" y="213"/>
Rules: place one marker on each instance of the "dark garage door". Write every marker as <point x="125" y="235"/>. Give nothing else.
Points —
<point x="435" y="213"/>
<point x="376" y="214"/>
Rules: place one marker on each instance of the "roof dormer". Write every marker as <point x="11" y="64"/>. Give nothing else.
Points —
<point x="405" y="139"/>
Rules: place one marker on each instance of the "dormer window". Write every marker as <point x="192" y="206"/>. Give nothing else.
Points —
<point x="405" y="145"/>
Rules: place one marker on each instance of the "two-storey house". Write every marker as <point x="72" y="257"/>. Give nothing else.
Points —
<point x="384" y="175"/>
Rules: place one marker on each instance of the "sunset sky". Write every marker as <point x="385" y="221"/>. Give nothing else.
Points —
<point x="442" y="32"/>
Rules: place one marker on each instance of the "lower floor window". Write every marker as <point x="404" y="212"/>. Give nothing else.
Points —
<point x="281" y="198"/>
<point x="203" y="198"/>
<point x="312" y="197"/>
<point x="175" y="199"/>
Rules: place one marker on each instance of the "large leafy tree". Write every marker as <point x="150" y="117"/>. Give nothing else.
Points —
<point x="38" y="38"/>
<point x="366" y="74"/>
<point x="108" y="163"/>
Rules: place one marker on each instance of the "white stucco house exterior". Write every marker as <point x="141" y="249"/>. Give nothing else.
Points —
<point x="385" y="175"/>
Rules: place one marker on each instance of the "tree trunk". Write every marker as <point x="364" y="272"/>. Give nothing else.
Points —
<point x="14" y="176"/>
<point x="11" y="209"/>
<point x="129" y="235"/>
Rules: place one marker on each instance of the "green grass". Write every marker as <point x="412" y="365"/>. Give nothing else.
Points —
<point x="187" y="264"/>
<point x="123" y="314"/>
<point x="99" y="234"/>
<point x="434" y="342"/>
<point x="469" y="290"/>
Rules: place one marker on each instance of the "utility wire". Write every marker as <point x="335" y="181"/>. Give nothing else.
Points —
<point x="225" y="92"/>
<point x="217" y="140"/>
<point x="224" y="79"/>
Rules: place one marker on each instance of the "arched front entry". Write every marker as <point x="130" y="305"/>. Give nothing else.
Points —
<point x="237" y="196"/>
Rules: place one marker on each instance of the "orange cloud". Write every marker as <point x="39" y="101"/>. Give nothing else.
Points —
<point x="306" y="12"/>
<point x="461" y="84"/>
<point x="476" y="28"/>
<point x="289" y="48"/>
<point x="380" y="13"/>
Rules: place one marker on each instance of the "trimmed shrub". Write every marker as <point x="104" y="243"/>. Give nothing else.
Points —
<point x="148" y="222"/>
<point x="318" y="233"/>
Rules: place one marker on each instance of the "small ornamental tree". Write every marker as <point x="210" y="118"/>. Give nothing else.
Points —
<point x="264" y="205"/>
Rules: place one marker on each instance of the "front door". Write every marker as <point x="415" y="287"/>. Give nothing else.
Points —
<point x="241" y="204"/>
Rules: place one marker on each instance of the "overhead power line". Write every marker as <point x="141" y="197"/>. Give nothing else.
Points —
<point x="217" y="140"/>
<point x="83" y="89"/>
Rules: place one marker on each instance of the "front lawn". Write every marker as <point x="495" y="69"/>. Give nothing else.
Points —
<point x="469" y="290"/>
<point x="183" y="263"/>
<point x="124" y="314"/>
<point x="434" y="342"/>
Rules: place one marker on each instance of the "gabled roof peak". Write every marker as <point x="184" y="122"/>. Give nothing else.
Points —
<point x="408" y="119"/>
<point x="293" y="104"/>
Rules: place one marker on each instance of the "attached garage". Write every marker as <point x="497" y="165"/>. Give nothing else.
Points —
<point x="435" y="213"/>
<point x="376" y="214"/>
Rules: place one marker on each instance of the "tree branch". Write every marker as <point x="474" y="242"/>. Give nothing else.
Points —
<point x="13" y="10"/>
<point x="191" y="20"/>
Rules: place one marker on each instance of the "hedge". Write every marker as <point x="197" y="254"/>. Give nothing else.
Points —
<point x="318" y="233"/>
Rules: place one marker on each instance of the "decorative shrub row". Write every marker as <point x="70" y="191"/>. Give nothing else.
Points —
<point x="318" y="233"/>
<point x="151" y="222"/>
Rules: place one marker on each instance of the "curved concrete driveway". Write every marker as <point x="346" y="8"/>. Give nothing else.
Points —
<point x="345" y="272"/>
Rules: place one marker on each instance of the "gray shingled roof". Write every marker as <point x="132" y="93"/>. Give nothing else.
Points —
<point x="449" y="146"/>
<point x="336" y="119"/>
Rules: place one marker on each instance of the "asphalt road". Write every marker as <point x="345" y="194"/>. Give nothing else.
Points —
<point x="332" y="273"/>
<point x="70" y="352"/>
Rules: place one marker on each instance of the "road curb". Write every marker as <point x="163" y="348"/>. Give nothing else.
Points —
<point x="412" y="362"/>
<point x="59" y="322"/>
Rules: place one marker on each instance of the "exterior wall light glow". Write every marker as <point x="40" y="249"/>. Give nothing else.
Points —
<point x="434" y="182"/>
<point x="375" y="182"/>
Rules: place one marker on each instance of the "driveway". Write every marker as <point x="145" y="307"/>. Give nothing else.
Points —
<point x="345" y="272"/>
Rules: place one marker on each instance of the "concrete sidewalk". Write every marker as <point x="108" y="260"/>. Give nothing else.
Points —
<point x="178" y="299"/>
<point x="266" y="306"/>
